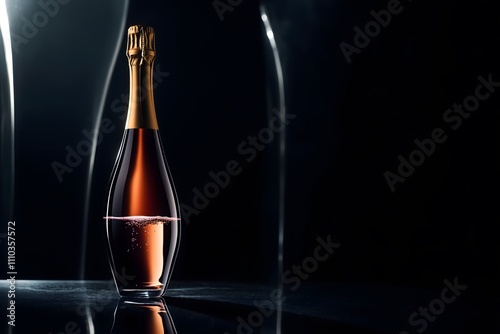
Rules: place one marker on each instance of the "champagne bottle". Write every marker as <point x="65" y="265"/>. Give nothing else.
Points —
<point x="142" y="215"/>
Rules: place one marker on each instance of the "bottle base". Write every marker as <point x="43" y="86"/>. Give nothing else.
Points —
<point x="141" y="293"/>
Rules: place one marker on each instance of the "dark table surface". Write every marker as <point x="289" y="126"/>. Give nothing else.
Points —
<point x="72" y="307"/>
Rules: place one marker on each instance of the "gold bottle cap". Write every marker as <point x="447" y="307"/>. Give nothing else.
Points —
<point x="141" y="41"/>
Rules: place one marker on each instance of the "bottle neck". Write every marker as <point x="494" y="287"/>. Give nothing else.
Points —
<point x="141" y="109"/>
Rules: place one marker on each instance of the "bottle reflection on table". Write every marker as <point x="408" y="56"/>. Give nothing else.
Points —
<point x="148" y="316"/>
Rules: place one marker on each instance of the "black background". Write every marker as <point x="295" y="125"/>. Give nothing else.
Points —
<point x="352" y="122"/>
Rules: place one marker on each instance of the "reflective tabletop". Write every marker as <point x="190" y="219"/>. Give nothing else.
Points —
<point x="72" y="307"/>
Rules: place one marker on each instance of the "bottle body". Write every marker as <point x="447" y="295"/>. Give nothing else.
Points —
<point x="142" y="219"/>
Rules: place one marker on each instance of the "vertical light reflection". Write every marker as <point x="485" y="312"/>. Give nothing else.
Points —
<point x="282" y="149"/>
<point x="7" y="122"/>
<point x="90" y="322"/>
<point x="7" y="117"/>
<point x="88" y="187"/>
<point x="97" y="122"/>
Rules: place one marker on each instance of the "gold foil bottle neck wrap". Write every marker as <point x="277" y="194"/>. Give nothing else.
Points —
<point x="141" y="55"/>
<point x="141" y="41"/>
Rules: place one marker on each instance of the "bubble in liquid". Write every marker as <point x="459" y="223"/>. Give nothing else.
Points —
<point x="143" y="221"/>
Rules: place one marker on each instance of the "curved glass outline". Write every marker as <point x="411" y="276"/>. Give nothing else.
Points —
<point x="86" y="206"/>
<point x="282" y="151"/>
<point x="100" y="111"/>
